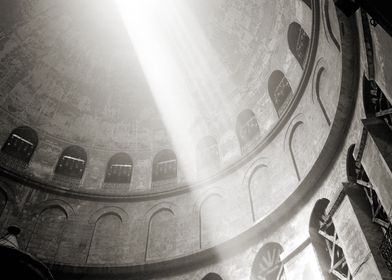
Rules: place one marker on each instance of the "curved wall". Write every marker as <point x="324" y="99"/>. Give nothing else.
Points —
<point x="151" y="228"/>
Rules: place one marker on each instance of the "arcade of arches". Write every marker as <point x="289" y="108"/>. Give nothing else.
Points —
<point x="276" y="164"/>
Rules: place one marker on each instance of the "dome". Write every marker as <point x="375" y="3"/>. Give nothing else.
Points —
<point x="192" y="139"/>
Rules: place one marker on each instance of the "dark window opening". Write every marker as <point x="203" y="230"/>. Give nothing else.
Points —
<point x="21" y="143"/>
<point x="298" y="42"/>
<point x="72" y="162"/>
<point x="280" y="91"/>
<point x="247" y="127"/>
<point x="164" y="166"/>
<point x="119" y="169"/>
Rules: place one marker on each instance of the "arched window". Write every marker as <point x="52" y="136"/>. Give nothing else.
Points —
<point x="326" y="242"/>
<point x="119" y="169"/>
<point x="376" y="103"/>
<point x="72" y="162"/>
<point x="212" y="276"/>
<point x="247" y="127"/>
<point x="280" y="91"/>
<point x="267" y="264"/>
<point x="207" y="154"/>
<point x="298" y="42"/>
<point x="164" y="165"/>
<point x="21" y="143"/>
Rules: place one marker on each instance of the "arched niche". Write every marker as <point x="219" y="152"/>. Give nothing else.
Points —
<point x="164" y="166"/>
<point x="267" y="263"/>
<point x="262" y="197"/>
<point x="296" y="146"/>
<point x="280" y="91"/>
<point x="320" y="80"/>
<point x="161" y="235"/>
<point x="207" y="155"/>
<point x="212" y="276"/>
<point x="21" y="143"/>
<point x="298" y="42"/>
<point x="247" y="128"/>
<point x="47" y="233"/>
<point x="106" y="239"/>
<point x="72" y="162"/>
<point x="119" y="169"/>
<point x="211" y="220"/>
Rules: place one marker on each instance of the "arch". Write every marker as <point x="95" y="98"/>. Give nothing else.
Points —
<point x="298" y="42"/>
<point x="107" y="227"/>
<point x="21" y="143"/>
<point x="109" y="210"/>
<point x="328" y="25"/>
<point x="280" y="91"/>
<point x="249" y="176"/>
<point x="119" y="169"/>
<point x="213" y="221"/>
<point x="72" y="162"/>
<point x="320" y="73"/>
<point x="247" y="127"/>
<point x="212" y="276"/>
<point x="164" y="165"/>
<point x="290" y="143"/>
<point x="161" y="243"/>
<point x="207" y="154"/>
<point x="50" y="224"/>
<point x="267" y="263"/>
<point x="53" y="203"/>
